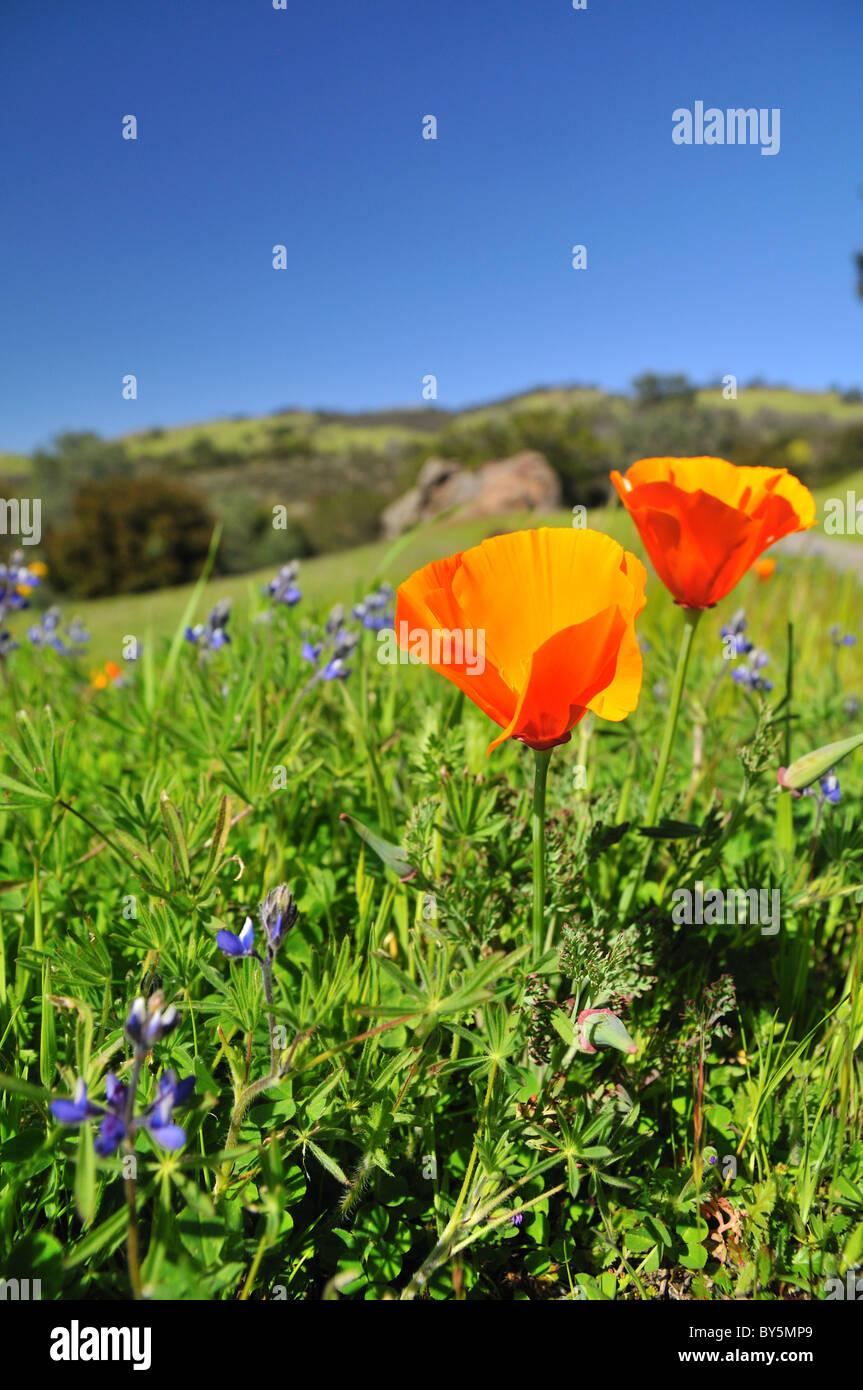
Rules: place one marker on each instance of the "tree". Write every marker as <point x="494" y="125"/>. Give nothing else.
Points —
<point x="127" y="536"/>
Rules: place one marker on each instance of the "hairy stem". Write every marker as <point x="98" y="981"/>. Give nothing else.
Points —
<point x="542" y="757"/>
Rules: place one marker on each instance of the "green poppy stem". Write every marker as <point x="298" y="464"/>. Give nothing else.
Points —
<point x="540" y="778"/>
<point x="690" y="622"/>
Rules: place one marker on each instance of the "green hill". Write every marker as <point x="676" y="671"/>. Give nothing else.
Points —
<point x="334" y="473"/>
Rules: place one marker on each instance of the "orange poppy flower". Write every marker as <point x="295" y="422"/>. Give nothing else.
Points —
<point x="764" y="567"/>
<point x="552" y="612"/>
<point x="704" y="521"/>
<point x="99" y="679"/>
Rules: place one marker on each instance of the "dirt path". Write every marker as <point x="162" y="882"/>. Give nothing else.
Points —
<point x="839" y="555"/>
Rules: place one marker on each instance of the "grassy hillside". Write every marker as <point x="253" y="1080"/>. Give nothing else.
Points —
<point x="325" y="580"/>
<point x="192" y="446"/>
<point x="332" y="475"/>
<point x="332" y="433"/>
<point x="345" y="576"/>
<point x="789" y="404"/>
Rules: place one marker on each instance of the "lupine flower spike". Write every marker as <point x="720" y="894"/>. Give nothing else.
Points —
<point x="213" y="634"/>
<point x="278" y="914"/>
<point x="330" y="656"/>
<point x="283" y="589"/>
<point x="48" y="633"/>
<point x="749" y="674"/>
<point x="117" y="1124"/>
<point x="733" y="634"/>
<point x="373" y="612"/>
<point x="17" y="580"/>
<point x="147" y="1023"/>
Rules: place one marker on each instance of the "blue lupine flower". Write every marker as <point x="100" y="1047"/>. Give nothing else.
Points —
<point x="72" y="1112"/>
<point x="148" y="1022"/>
<point x="829" y="789"/>
<point x="283" y="589"/>
<point x="749" y="676"/>
<point x="733" y="634"/>
<point x="335" y="670"/>
<point x="76" y="633"/>
<point x="341" y="643"/>
<point x="44" y="633"/>
<point x="212" y="635"/>
<point x="116" y="1125"/>
<point x="376" y="622"/>
<point x="842" y="640"/>
<point x="13" y="578"/>
<point x="112" y="1132"/>
<point x="242" y="945"/>
<point x="278" y="913"/>
<point x="157" y="1118"/>
<point x="16" y="581"/>
<point x="371" y="611"/>
<point x="115" y="1092"/>
<point x="517" y="1218"/>
<point x="336" y="619"/>
<point x="47" y="633"/>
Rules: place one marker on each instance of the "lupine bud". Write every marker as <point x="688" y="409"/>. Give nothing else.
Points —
<point x="148" y="1022"/>
<point x="278" y="914"/>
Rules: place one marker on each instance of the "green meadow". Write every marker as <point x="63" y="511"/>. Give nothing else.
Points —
<point x="403" y="1107"/>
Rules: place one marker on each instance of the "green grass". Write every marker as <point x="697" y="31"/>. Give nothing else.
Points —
<point x="14" y="465"/>
<point x="415" y="1078"/>
<point x="326" y="580"/>
<point x="253" y="437"/>
<point x="256" y="436"/>
<point x="787" y="403"/>
<point x="346" y="575"/>
<point x="853" y="482"/>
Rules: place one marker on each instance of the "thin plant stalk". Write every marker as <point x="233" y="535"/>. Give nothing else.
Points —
<point x="690" y="622"/>
<point x="542" y="757"/>
<point x="444" y="1247"/>
<point x="267" y="973"/>
<point x="131" y="1203"/>
<point x="784" y="806"/>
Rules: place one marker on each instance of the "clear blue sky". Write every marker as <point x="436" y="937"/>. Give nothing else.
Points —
<point x="408" y="256"/>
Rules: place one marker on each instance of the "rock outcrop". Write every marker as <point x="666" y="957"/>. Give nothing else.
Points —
<point x="524" y="482"/>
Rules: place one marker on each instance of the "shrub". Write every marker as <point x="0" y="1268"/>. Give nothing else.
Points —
<point x="129" y="536"/>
